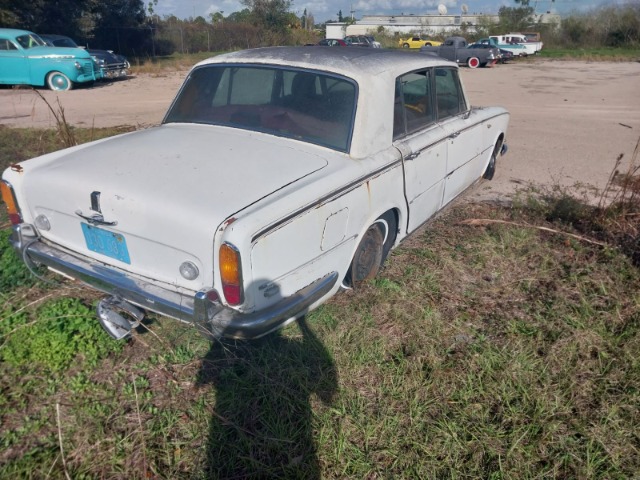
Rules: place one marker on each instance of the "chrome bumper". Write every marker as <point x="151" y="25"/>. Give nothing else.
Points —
<point x="212" y="318"/>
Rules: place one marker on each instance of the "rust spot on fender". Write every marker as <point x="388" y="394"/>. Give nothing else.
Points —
<point x="226" y="223"/>
<point x="16" y="168"/>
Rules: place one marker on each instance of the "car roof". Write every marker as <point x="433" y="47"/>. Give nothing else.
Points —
<point x="361" y="64"/>
<point x="14" y="31"/>
<point x="52" y="35"/>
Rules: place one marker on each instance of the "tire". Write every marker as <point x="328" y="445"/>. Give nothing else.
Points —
<point x="473" y="62"/>
<point x="405" y="45"/>
<point x="428" y="44"/>
<point x="58" y="81"/>
<point x="372" y="251"/>
<point x="491" y="168"/>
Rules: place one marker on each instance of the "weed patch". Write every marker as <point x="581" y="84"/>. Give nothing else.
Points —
<point x="13" y="272"/>
<point x="65" y="331"/>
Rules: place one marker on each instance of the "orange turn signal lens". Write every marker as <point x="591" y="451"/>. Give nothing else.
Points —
<point x="9" y="198"/>
<point x="231" y="273"/>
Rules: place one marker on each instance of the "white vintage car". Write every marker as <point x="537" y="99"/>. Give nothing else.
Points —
<point x="278" y="177"/>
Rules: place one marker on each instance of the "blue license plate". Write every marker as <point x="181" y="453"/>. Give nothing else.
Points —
<point x="106" y="243"/>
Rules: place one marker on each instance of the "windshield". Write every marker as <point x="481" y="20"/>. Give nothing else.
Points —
<point x="64" y="42"/>
<point x="30" y="41"/>
<point x="301" y="104"/>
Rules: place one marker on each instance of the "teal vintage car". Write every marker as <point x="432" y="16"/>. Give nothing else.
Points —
<point x="25" y="59"/>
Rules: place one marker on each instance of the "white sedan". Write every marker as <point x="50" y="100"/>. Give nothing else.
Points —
<point x="278" y="177"/>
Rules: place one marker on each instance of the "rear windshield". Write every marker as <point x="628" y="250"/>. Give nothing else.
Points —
<point x="306" y="105"/>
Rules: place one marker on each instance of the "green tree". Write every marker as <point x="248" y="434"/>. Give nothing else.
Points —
<point x="243" y="16"/>
<point x="270" y="14"/>
<point x="216" y="17"/>
<point x="515" y="19"/>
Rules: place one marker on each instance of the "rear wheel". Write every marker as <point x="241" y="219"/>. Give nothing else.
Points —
<point x="405" y="45"/>
<point x="372" y="250"/>
<point x="59" y="81"/>
<point x="473" y="62"/>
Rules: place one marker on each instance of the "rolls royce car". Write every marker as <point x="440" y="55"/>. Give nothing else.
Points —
<point x="278" y="177"/>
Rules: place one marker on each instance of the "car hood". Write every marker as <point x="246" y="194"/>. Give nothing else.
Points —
<point x="107" y="56"/>
<point x="57" y="52"/>
<point x="168" y="188"/>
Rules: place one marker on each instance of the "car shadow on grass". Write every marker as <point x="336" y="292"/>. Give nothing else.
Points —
<point x="262" y="423"/>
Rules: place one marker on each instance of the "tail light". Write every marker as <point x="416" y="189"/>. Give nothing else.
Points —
<point x="9" y="198"/>
<point x="231" y="274"/>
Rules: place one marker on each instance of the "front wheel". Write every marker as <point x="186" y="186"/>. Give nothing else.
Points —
<point x="405" y="45"/>
<point x="428" y="44"/>
<point x="473" y="62"/>
<point x="59" y="81"/>
<point x="491" y="168"/>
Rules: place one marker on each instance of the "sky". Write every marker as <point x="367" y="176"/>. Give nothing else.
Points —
<point x="323" y="10"/>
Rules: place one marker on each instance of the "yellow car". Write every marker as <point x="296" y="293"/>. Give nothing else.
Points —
<point x="417" y="42"/>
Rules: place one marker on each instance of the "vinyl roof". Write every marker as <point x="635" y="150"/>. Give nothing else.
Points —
<point x="355" y="62"/>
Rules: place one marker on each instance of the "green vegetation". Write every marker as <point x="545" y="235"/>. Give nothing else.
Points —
<point x="500" y="342"/>
<point x="608" y="54"/>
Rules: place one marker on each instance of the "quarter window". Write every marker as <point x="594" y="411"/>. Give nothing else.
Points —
<point x="450" y="99"/>
<point x="413" y="107"/>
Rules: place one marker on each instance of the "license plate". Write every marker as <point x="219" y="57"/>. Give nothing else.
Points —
<point x="106" y="243"/>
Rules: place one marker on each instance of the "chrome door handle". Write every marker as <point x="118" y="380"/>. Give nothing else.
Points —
<point x="454" y="135"/>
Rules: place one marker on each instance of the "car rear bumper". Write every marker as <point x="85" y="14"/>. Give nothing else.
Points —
<point x="201" y="308"/>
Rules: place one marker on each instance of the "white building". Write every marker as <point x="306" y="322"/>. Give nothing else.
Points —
<point x="423" y="24"/>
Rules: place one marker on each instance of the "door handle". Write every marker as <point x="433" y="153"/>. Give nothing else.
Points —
<point x="454" y="135"/>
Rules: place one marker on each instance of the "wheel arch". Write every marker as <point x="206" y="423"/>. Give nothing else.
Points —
<point x="392" y="218"/>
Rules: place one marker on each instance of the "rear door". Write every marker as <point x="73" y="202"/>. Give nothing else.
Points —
<point x="14" y="67"/>
<point x="423" y="144"/>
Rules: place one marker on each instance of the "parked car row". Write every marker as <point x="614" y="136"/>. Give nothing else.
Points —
<point x="350" y="41"/>
<point x="483" y="53"/>
<point x="57" y="62"/>
<point x="112" y="65"/>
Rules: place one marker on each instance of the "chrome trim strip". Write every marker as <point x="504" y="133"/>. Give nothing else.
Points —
<point x="216" y="321"/>
<point x="213" y="319"/>
<point x="329" y="197"/>
<point x="114" y="282"/>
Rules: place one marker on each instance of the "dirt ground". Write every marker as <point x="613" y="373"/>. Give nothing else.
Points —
<point x="569" y="120"/>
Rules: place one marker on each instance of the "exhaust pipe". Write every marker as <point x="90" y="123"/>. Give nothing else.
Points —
<point x="118" y="317"/>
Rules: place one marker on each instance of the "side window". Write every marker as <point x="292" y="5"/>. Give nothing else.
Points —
<point x="6" y="45"/>
<point x="449" y="97"/>
<point x="413" y="108"/>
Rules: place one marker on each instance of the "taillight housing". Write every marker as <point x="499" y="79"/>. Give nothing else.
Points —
<point x="9" y="198"/>
<point x="231" y="274"/>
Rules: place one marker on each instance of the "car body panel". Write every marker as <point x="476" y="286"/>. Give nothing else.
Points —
<point x="30" y="66"/>
<point x="113" y="66"/>
<point x="417" y="42"/>
<point x="516" y="49"/>
<point x="456" y="49"/>
<point x="294" y="210"/>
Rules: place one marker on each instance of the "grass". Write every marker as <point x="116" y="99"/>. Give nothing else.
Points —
<point x="604" y="54"/>
<point x="169" y="63"/>
<point x="488" y="349"/>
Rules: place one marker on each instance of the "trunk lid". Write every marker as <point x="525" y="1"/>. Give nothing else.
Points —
<point x="168" y="188"/>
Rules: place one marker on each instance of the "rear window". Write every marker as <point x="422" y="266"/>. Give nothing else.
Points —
<point x="306" y="105"/>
